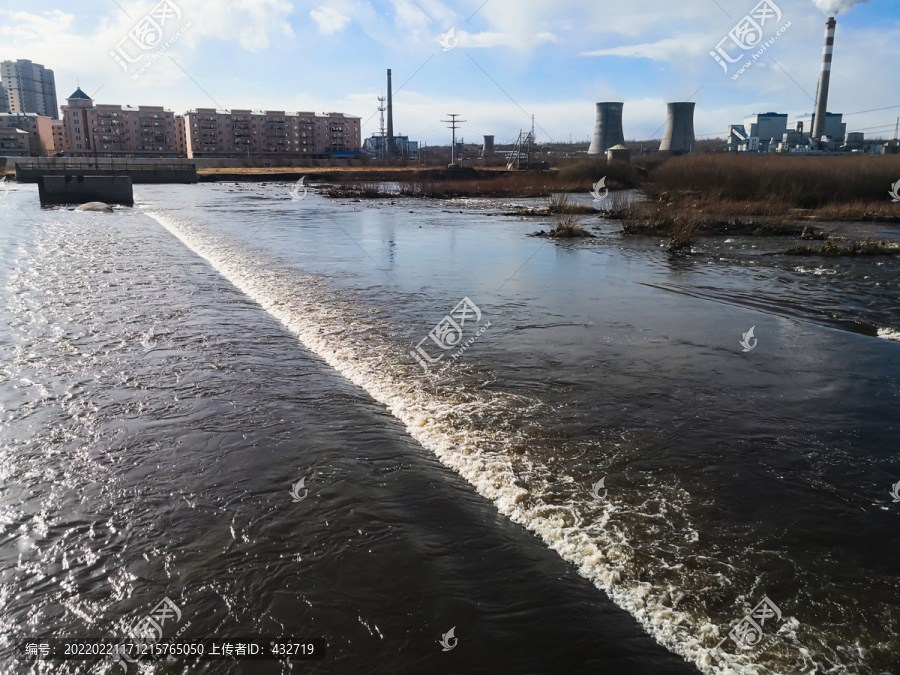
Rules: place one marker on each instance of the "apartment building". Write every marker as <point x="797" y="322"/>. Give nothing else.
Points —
<point x="39" y="130"/>
<point x="29" y="88"/>
<point x="14" y="142"/>
<point x="58" y="132"/>
<point x="103" y="130"/>
<point x="269" y="134"/>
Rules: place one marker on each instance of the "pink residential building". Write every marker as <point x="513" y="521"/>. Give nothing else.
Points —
<point x="119" y="131"/>
<point x="39" y="129"/>
<point x="270" y="134"/>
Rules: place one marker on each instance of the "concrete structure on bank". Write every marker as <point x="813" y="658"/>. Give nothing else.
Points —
<point x="138" y="171"/>
<point x="269" y="134"/>
<point x="29" y="87"/>
<point x="679" y="137"/>
<point x="80" y="189"/>
<point x="39" y="129"/>
<point x="618" y="153"/>
<point x="118" y="131"/>
<point x="608" y="129"/>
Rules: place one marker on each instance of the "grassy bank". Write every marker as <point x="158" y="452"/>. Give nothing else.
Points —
<point x="700" y="195"/>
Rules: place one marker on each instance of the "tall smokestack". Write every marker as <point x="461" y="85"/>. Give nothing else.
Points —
<point x="820" y="116"/>
<point x="607" y="128"/>
<point x="390" y="111"/>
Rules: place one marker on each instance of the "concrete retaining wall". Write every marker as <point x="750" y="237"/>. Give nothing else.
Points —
<point x="82" y="189"/>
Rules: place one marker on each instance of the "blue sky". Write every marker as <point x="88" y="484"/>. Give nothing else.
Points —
<point x="511" y="59"/>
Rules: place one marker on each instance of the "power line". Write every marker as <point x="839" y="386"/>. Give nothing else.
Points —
<point x="890" y="107"/>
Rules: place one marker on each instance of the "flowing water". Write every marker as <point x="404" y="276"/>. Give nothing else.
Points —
<point x="594" y="474"/>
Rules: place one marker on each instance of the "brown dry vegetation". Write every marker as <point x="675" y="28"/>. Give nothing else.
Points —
<point x="567" y="227"/>
<point x="726" y="194"/>
<point x="775" y="182"/>
<point x="560" y="203"/>
<point x="833" y="248"/>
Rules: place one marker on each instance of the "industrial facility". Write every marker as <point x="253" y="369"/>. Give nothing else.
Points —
<point x="385" y="143"/>
<point x="827" y="132"/>
<point x="820" y="133"/>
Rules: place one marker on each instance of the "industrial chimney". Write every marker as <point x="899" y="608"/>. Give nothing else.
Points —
<point x="487" y="150"/>
<point x="390" y="111"/>
<point x="607" y="129"/>
<point x="821" y="114"/>
<point x="679" y="137"/>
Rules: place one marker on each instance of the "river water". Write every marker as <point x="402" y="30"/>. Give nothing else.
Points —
<point x="581" y="468"/>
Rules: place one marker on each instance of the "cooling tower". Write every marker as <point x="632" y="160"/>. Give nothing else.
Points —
<point x="608" y="128"/>
<point x="390" y="111"/>
<point x="487" y="150"/>
<point x="819" y="117"/>
<point x="679" y="136"/>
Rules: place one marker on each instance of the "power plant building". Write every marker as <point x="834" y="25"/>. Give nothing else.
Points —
<point x="679" y="137"/>
<point x="377" y="147"/>
<point x="608" y="131"/>
<point x="758" y="133"/>
<point x="487" y="150"/>
<point x="835" y="127"/>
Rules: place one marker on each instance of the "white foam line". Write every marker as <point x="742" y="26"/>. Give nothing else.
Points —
<point x="889" y="334"/>
<point x="469" y="453"/>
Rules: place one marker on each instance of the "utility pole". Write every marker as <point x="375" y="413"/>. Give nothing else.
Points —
<point x="453" y="122"/>
<point x="897" y="130"/>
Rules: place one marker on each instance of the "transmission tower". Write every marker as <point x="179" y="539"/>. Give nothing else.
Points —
<point x="383" y="135"/>
<point x="454" y="123"/>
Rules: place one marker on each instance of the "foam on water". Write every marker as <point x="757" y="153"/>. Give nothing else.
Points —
<point x="439" y="417"/>
<point x="889" y="334"/>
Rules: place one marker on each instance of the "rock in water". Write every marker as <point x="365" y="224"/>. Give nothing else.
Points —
<point x="95" y="206"/>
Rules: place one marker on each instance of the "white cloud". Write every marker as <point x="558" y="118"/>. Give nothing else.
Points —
<point x="669" y="49"/>
<point x="496" y="39"/>
<point x="250" y="22"/>
<point x="329" y="20"/>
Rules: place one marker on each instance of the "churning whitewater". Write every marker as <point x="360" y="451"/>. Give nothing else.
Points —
<point x="440" y="415"/>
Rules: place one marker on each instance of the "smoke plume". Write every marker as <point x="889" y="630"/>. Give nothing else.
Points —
<point x="832" y="7"/>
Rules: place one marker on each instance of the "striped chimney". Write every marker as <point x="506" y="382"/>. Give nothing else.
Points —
<point x="820" y="115"/>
